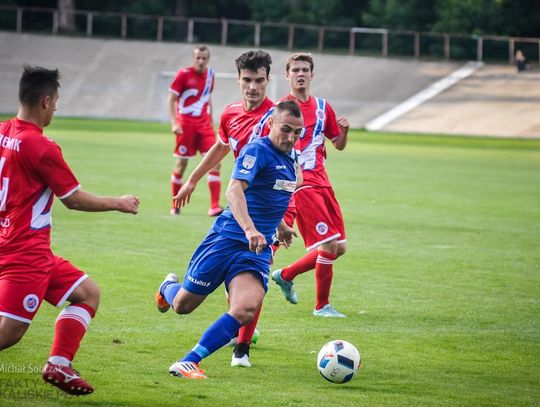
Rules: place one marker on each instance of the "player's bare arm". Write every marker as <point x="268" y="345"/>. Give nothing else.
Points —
<point x="284" y="234"/>
<point x="215" y="155"/>
<point x="172" y="103"/>
<point x="88" y="202"/>
<point x="238" y="205"/>
<point x="341" y="141"/>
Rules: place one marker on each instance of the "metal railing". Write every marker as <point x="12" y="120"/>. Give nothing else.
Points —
<point x="346" y="40"/>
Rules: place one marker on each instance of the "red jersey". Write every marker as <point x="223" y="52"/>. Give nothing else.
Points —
<point x="32" y="169"/>
<point x="319" y="121"/>
<point x="237" y="127"/>
<point x="193" y="90"/>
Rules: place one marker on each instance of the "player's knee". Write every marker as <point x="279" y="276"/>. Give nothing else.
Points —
<point x="341" y="249"/>
<point x="10" y="337"/>
<point x="87" y="293"/>
<point x="244" y="314"/>
<point x="182" y="307"/>
<point x="330" y="247"/>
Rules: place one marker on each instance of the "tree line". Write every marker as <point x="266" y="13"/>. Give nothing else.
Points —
<point x="519" y="18"/>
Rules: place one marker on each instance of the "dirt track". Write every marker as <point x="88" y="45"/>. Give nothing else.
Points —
<point x="495" y="101"/>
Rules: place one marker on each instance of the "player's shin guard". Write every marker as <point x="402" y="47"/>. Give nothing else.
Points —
<point x="323" y="277"/>
<point x="70" y="327"/>
<point x="300" y="266"/>
<point x="214" y="185"/>
<point x="215" y="337"/>
<point x="245" y="333"/>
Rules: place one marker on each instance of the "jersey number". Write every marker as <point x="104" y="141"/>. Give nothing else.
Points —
<point x="4" y="186"/>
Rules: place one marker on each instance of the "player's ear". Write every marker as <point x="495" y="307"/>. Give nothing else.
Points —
<point x="45" y="101"/>
<point x="271" y="122"/>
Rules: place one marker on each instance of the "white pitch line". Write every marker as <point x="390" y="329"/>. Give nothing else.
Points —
<point x="422" y="96"/>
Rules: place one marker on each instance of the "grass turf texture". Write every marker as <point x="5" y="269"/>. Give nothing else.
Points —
<point x="440" y="282"/>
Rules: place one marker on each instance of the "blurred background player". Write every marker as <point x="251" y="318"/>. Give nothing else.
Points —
<point x="190" y="113"/>
<point x="314" y="205"/>
<point x="236" y="251"/>
<point x="240" y="123"/>
<point x="32" y="169"/>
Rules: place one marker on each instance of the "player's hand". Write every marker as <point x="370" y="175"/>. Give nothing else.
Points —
<point x="257" y="241"/>
<point x="128" y="204"/>
<point x="343" y="122"/>
<point x="183" y="196"/>
<point x="177" y="129"/>
<point x="285" y="234"/>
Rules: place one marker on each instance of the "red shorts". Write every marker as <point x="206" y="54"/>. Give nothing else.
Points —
<point x="318" y="217"/>
<point x="23" y="287"/>
<point x="195" y="137"/>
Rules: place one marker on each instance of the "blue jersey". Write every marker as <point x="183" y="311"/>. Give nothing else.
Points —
<point x="271" y="178"/>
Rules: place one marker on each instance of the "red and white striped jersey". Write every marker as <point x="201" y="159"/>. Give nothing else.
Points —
<point x="237" y="127"/>
<point x="193" y="90"/>
<point x="32" y="169"/>
<point x="319" y="122"/>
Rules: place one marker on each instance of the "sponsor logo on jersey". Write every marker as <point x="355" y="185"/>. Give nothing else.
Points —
<point x="199" y="282"/>
<point x="322" y="228"/>
<point x="285" y="185"/>
<point x="249" y="161"/>
<point x="281" y="167"/>
<point x="244" y="171"/>
<point x="31" y="302"/>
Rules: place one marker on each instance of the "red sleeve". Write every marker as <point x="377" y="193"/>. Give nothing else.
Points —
<point x="176" y="85"/>
<point x="56" y="173"/>
<point x="223" y="132"/>
<point x="331" y="128"/>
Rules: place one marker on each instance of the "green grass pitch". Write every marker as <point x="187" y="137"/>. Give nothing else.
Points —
<point x="441" y="281"/>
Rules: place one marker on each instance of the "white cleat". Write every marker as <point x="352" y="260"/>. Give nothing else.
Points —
<point x="328" y="311"/>
<point x="240" y="362"/>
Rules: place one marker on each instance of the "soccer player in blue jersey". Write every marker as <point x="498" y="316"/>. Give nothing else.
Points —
<point x="236" y="251"/>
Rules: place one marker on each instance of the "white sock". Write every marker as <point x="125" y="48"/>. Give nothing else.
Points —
<point x="59" y="360"/>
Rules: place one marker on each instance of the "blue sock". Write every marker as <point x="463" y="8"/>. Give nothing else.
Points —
<point x="169" y="291"/>
<point x="215" y="336"/>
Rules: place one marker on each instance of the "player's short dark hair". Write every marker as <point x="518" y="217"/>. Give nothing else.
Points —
<point x="300" y="56"/>
<point x="288" y="106"/>
<point x="201" y="48"/>
<point x="37" y="82"/>
<point x="253" y="61"/>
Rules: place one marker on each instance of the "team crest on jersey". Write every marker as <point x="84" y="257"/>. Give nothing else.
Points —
<point x="249" y="161"/>
<point x="31" y="302"/>
<point x="322" y="228"/>
<point x="320" y="114"/>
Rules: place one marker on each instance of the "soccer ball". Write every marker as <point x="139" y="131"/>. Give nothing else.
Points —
<point x="338" y="361"/>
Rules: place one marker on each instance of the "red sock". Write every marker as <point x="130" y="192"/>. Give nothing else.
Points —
<point x="300" y="266"/>
<point x="69" y="330"/>
<point x="176" y="183"/>
<point x="214" y="185"/>
<point x="245" y="333"/>
<point x="323" y="277"/>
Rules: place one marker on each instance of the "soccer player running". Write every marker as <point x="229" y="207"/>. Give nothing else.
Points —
<point x="236" y="251"/>
<point x="190" y="113"/>
<point x="32" y="169"/>
<point x="317" y="212"/>
<point x="240" y="123"/>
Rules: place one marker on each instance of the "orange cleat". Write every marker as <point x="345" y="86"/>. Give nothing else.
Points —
<point x="161" y="303"/>
<point x="189" y="370"/>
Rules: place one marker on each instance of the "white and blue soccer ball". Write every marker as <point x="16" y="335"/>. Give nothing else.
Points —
<point x="338" y="361"/>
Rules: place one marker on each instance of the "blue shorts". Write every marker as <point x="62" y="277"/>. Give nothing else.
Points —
<point x="219" y="259"/>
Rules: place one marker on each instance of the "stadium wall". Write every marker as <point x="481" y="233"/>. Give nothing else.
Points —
<point x="126" y="80"/>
